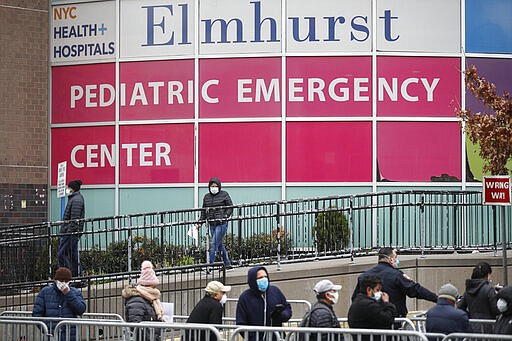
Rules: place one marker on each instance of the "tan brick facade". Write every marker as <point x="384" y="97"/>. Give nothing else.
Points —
<point x="23" y="111"/>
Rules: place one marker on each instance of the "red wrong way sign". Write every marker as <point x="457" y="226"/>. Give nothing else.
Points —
<point x="496" y="190"/>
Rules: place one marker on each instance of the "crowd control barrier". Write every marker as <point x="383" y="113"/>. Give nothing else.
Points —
<point x="330" y="334"/>
<point x="478" y="326"/>
<point x="91" y="316"/>
<point x="475" y="337"/>
<point x="23" y="330"/>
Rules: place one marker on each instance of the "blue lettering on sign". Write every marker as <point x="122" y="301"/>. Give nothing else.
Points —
<point x="151" y="25"/>
<point x="158" y="29"/>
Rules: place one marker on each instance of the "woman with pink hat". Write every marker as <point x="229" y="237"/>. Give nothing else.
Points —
<point x="142" y="301"/>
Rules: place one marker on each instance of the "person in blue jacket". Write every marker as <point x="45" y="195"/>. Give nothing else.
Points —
<point x="59" y="300"/>
<point x="262" y="304"/>
<point x="444" y="317"/>
<point x="394" y="282"/>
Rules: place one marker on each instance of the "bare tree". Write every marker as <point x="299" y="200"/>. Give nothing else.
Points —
<point x="491" y="130"/>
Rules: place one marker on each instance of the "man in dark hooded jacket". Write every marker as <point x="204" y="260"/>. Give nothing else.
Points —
<point x="262" y="304"/>
<point x="216" y="211"/>
<point x="503" y="324"/>
<point x="479" y="299"/>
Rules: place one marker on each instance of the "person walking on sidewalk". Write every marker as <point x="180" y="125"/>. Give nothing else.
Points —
<point x="75" y="209"/>
<point x="216" y="211"/>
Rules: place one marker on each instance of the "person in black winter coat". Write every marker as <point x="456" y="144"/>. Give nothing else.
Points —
<point x="503" y="324"/>
<point x="68" y="248"/>
<point x="262" y="304"/>
<point x="444" y="317"/>
<point x="322" y="314"/>
<point x="142" y="303"/>
<point x="216" y="214"/>
<point x="209" y="309"/>
<point x="479" y="299"/>
<point x="394" y="282"/>
<point x="59" y="300"/>
<point x="371" y="308"/>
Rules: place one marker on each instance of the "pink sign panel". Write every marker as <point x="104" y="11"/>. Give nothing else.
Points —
<point x="83" y="93"/>
<point x="157" y="90"/>
<point x="240" y="152"/>
<point x="240" y="87"/>
<point x="418" y="86"/>
<point x="419" y="151"/>
<point x="329" y="86"/>
<point x="328" y="151"/>
<point x="89" y="152"/>
<point x="162" y="153"/>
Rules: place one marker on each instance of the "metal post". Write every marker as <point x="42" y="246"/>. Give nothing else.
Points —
<point x="422" y="222"/>
<point x="351" y="228"/>
<point x="49" y="250"/>
<point x="278" y="236"/>
<point x="495" y="232"/>
<point x="239" y="221"/>
<point x="504" y="243"/>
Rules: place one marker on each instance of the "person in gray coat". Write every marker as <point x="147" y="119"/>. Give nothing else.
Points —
<point x="216" y="211"/>
<point x="68" y="248"/>
<point x="322" y="313"/>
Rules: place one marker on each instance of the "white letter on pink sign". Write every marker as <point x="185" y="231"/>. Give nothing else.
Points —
<point x="77" y="92"/>
<point x="204" y="91"/>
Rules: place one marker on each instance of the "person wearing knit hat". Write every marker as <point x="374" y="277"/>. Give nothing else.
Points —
<point x="71" y="229"/>
<point x="444" y="317"/>
<point x="60" y="300"/>
<point x="209" y="309"/>
<point x="142" y="301"/>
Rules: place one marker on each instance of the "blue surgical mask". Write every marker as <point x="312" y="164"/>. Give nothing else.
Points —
<point x="397" y="262"/>
<point x="377" y="295"/>
<point x="262" y="283"/>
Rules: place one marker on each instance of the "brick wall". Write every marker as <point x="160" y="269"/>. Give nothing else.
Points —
<point x="23" y="111"/>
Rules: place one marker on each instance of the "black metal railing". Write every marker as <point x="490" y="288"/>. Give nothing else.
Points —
<point x="264" y="232"/>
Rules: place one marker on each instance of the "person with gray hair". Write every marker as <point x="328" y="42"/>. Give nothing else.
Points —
<point x="322" y="313"/>
<point x="444" y="317"/>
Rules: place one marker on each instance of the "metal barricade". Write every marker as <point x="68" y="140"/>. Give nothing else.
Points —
<point x="144" y="331"/>
<point x="405" y="323"/>
<point x="330" y="334"/>
<point x="23" y="330"/>
<point x="475" y="337"/>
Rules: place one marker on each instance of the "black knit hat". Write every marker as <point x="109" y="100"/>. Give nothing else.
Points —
<point x="75" y="185"/>
<point x="63" y="274"/>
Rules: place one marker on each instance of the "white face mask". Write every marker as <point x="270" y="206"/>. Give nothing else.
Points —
<point x="377" y="295"/>
<point x="61" y="285"/>
<point x="502" y="305"/>
<point x="333" y="297"/>
<point x="214" y="190"/>
<point x="68" y="191"/>
<point x="224" y="299"/>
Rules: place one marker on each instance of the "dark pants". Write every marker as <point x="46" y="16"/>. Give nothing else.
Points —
<point x="68" y="254"/>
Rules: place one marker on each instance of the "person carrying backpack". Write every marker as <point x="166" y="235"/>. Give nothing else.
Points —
<point x="322" y="313"/>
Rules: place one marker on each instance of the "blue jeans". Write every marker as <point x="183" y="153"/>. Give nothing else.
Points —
<point x="217" y="233"/>
<point x="68" y="254"/>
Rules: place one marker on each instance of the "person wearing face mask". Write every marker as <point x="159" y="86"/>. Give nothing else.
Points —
<point x="209" y="309"/>
<point x="444" y="317"/>
<point x="371" y="308"/>
<point x="216" y="210"/>
<point x="68" y="248"/>
<point x="262" y="304"/>
<point x="394" y="282"/>
<point x="503" y="323"/>
<point x="322" y="313"/>
<point x="479" y="299"/>
<point x="59" y="300"/>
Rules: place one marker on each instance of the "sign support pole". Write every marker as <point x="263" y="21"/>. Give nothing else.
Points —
<point x="504" y="245"/>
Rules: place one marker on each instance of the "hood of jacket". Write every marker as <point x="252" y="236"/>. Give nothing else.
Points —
<point x="130" y="291"/>
<point x="251" y="277"/>
<point x="473" y="286"/>
<point x="214" y="181"/>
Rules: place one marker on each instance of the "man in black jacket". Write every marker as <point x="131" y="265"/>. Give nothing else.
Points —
<point x="68" y="248"/>
<point x="209" y="309"/>
<point x="371" y="309"/>
<point x="216" y="211"/>
<point x="394" y="282"/>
